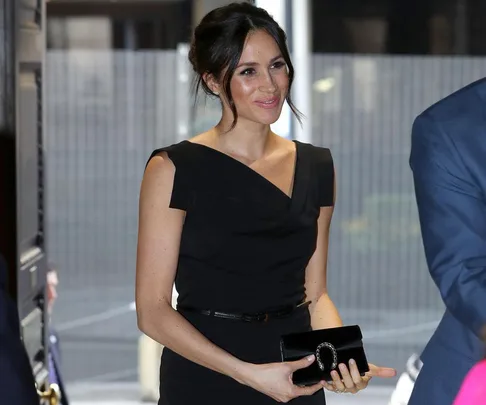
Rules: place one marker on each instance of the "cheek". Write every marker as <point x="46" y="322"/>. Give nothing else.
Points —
<point x="282" y="80"/>
<point x="242" y="89"/>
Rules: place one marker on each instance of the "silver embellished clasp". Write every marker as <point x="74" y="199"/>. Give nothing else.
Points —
<point x="333" y="350"/>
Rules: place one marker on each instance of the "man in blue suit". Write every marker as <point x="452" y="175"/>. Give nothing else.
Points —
<point x="448" y="161"/>
<point x="17" y="386"/>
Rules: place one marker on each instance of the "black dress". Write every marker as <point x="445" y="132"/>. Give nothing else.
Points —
<point x="244" y="249"/>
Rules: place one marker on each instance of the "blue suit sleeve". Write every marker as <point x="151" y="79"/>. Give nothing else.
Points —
<point x="452" y="212"/>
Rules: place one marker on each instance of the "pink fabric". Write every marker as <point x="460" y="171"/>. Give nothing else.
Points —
<point x="473" y="389"/>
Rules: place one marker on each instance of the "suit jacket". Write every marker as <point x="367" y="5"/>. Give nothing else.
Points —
<point x="17" y="385"/>
<point x="448" y="160"/>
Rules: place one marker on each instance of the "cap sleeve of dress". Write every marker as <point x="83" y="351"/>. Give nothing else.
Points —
<point x="325" y="173"/>
<point x="179" y="198"/>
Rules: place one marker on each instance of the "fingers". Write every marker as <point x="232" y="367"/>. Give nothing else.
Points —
<point x="337" y="382"/>
<point x="383" y="372"/>
<point x="347" y="379"/>
<point x="302" y="363"/>
<point x="310" y="390"/>
<point x="355" y="374"/>
<point x="328" y="386"/>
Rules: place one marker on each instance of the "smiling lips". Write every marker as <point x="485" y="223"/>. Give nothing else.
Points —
<point x="268" y="103"/>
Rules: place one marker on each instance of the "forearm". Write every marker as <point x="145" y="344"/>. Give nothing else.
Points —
<point x="324" y="313"/>
<point x="173" y="331"/>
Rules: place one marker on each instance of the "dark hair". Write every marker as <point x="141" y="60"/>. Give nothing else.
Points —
<point x="219" y="40"/>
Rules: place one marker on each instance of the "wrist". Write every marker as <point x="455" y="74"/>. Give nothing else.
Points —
<point x="242" y="372"/>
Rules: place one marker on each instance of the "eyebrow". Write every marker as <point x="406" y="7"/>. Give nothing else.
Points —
<point x="256" y="64"/>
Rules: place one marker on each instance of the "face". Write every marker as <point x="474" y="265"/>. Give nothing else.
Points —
<point x="260" y="82"/>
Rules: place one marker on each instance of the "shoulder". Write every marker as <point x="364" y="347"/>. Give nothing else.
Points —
<point x="321" y="161"/>
<point x="166" y="174"/>
<point x="320" y="156"/>
<point x="450" y="128"/>
<point x="158" y="176"/>
<point x="180" y="157"/>
<point x="457" y="107"/>
<point x="174" y="152"/>
<point x="163" y="163"/>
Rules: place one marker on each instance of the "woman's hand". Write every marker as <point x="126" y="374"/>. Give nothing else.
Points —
<point x="352" y="381"/>
<point x="275" y="379"/>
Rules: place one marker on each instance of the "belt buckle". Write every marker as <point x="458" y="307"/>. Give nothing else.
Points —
<point x="263" y="317"/>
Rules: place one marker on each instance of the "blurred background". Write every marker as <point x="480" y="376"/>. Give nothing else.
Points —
<point x="118" y="85"/>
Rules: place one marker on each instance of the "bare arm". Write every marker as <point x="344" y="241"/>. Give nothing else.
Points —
<point x="324" y="313"/>
<point x="159" y="235"/>
<point x="160" y="229"/>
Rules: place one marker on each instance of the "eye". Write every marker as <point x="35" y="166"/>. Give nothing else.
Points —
<point x="279" y="65"/>
<point x="247" y="72"/>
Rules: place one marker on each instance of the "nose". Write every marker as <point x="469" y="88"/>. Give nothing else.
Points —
<point x="268" y="84"/>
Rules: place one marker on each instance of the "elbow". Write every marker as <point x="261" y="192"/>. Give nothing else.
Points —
<point x="150" y="321"/>
<point x="143" y="322"/>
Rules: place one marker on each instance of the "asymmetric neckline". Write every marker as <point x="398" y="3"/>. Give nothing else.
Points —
<point x="254" y="172"/>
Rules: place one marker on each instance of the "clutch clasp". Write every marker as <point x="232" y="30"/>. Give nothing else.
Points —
<point x="329" y="346"/>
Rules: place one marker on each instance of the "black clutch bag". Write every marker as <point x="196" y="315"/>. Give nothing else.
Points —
<point x="330" y="346"/>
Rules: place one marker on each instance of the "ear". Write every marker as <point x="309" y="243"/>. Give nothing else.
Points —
<point x="212" y="83"/>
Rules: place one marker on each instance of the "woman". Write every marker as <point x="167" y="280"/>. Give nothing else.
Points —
<point x="473" y="388"/>
<point x="239" y="218"/>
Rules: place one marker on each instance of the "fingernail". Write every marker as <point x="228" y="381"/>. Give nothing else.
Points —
<point x="352" y="362"/>
<point x="342" y="366"/>
<point x="310" y="358"/>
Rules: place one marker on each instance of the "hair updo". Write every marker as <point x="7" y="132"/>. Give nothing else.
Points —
<point x="218" y="43"/>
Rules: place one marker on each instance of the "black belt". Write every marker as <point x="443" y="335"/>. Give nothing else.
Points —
<point x="256" y="317"/>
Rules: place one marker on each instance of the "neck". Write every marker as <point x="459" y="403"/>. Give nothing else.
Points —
<point x="246" y="139"/>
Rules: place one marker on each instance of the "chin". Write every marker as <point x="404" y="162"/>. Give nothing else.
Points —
<point x="269" y="118"/>
<point x="265" y="121"/>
